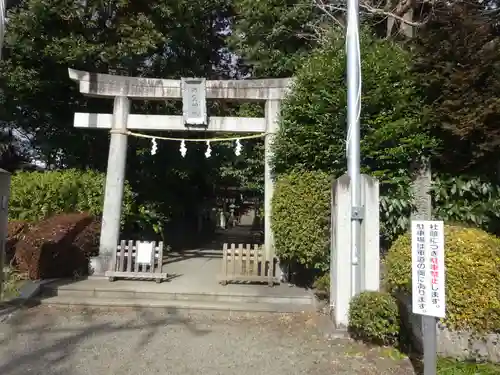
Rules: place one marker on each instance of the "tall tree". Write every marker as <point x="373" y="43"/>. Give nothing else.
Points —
<point x="271" y="36"/>
<point x="459" y="65"/>
<point x="154" y="38"/>
<point x="45" y="37"/>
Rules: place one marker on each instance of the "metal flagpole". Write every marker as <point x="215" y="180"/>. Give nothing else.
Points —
<point x="2" y="24"/>
<point x="353" y="138"/>
<point x="2" y="247"/>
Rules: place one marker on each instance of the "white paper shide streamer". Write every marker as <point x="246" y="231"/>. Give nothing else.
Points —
<point x="237" y="150"/>
<point x="154" y="146"/>
<point x="183" y="148"/>
<point x="208" y="153"/>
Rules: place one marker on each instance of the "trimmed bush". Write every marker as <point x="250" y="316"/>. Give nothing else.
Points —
<point x="38" y="195"/>
<point x="374" y="317"/>
<point x="322" y="286"/>
<point x="472" y="261"/>
<point x="48" y="249"/>
<point x="301" y="218"/>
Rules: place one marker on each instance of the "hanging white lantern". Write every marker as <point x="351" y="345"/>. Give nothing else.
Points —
<point x="238" y="148"/>
<point x="183" y="148"/>
<point x="208" y="153"/>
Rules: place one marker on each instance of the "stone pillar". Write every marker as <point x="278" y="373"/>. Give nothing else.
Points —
<point x="115" y="178"/>
<point x="272" y="112"/>
<point x="4" y="205"/>
<point x="340" y="257"/>
<point x="341" y="268"/>
<point x="421" y="188"/>
<point x="370" y="234"/>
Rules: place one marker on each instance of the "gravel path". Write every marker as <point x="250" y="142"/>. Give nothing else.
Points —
<point x="55" y="341"/>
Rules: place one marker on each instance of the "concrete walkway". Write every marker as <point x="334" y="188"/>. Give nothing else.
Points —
<point x="196" y="270"/>
<point x="50" y="341"/>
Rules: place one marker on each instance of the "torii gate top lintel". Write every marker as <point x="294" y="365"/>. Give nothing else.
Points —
<point x="109" y="85"/>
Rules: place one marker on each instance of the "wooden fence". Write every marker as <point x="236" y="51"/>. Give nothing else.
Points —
<point x="129" y="262"/>
<point x="248" y="263"/>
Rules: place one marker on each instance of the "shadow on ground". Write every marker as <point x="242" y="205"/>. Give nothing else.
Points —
<point x="145" y="323"/>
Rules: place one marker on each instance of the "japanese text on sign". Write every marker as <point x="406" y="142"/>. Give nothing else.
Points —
<point x="194" y="101"/>
<point x="428" y="273"/>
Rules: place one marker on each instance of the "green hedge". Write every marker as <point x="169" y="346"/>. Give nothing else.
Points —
<point x="374" y="317"/>
<point x="301" y="218"/>
<point x="37" y="195"/>
<point x="472" y="260"/>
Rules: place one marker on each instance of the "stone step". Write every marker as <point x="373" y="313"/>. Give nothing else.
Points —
<point x="208" y="297"/>
<point x="175" y="304"/>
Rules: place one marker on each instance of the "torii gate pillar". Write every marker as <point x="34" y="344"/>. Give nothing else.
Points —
<point x="113" y="192"/>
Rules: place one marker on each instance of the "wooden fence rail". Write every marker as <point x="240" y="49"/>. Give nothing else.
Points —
<point x="248" y="263"/>
<point x="127" y="262"/>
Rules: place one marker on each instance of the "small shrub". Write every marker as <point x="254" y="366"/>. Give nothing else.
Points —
<point x="374" y="317"/>
<point x="48" y="251"/>
<point x="38" y="195"/>
<point x="472" y="259"/>
<point x="322" y="286"/>
<point x="13" y="282"/>
<point x="301" y="218"/>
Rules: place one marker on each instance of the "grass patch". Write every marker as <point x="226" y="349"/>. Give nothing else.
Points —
<point x="13" y="283"/>
<point x="453" y="367"/>
<point x="446" y="366"/>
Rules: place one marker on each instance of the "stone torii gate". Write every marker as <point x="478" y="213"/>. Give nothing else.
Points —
<point x="193" y="92"/>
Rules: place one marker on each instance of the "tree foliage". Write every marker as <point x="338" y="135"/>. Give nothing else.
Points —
<point x="149" y="39"/>
<point x="271" y="37"/>
<point x="313" y="127"/>
<point x="11" y="154"/>
<point x="458" y="65"/>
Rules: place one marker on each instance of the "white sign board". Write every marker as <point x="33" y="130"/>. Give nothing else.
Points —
<point x="144" y="252"/>
<point x="194" y="101"/>
<point x="428" y="272"/>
